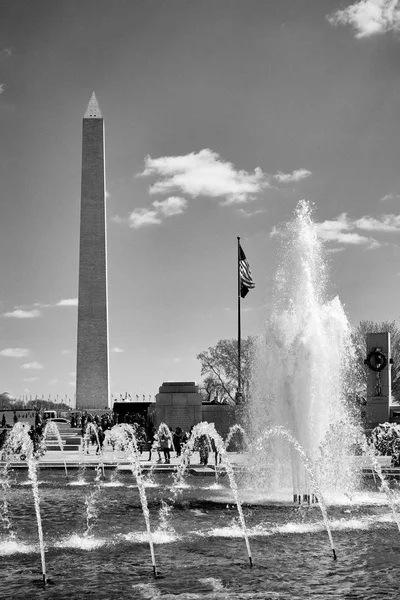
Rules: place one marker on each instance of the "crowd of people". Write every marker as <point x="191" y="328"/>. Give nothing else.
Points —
<point x="164" y="441"/>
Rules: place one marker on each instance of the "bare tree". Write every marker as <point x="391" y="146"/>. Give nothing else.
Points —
<point x="220" y="368"/>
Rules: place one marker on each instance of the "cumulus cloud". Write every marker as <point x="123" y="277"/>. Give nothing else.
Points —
<point x="18" y="313"/>
<point x="143" y="216"/>
<point x="343" y="230"/>
<point x="388" y="223"/>
<point x="32" y="365"/>
<point x="2" y="88"/>
<point x="15" y="352"/>
<point x="174" y="205"/>
<point x="340" y="230"/>
<point x="6" y="52"/>
<point x="160" y="209"/>
<point x="352" y="232"/>
<point x="297" y="175"/>
<point x="68" y="302"/>
<point x="203" y="173"/>
<point x="31" y="378"/>
<point x="369" y="17"/>
<point x="117" y="350"/>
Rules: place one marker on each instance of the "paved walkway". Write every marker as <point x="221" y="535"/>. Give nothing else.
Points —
<point x="54" y="459"/>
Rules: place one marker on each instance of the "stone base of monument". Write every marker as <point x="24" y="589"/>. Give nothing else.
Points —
<point x="178" y="404"/>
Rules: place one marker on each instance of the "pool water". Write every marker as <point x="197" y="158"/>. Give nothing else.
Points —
<point x="199" y="547"/>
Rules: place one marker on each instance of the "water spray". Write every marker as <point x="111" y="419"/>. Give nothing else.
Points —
<point x="208" y="429"/>
<point x="124" y="435"/>
<point x="52" y="427"/>
<point x="280" y="431"/>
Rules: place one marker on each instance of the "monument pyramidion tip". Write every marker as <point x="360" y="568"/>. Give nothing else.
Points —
<point x="93" y="110"/>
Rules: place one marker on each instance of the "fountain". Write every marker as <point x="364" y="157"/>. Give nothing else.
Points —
<point x="302" y="369"/>
<point x="297" y="480"/>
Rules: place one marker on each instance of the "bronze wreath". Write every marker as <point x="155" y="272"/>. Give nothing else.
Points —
<point x="376" y="360"/>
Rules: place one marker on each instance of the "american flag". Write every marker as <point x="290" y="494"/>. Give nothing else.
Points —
<point x="246" y="282"/>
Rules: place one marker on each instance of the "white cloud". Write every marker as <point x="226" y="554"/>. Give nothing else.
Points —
<point x="340" y="230"/>
<point x="72" y="383"/>
<point x="64" y="351"/>
<point x="32" y="365"/>
<point x="388" y="223"/>
<point x="143" y="216"/>
<point x="53" y="381"/>
<point x="117" y="350"/>
<point x="2" y="87"/>
<point x="7" y="52"/>
<point x="245" y="213"/>
<point x="31" y="378"/>
<point x="140" y="217"/>
<point x="68" y="302"/>
<point x="23" y="314"/>
<point x="343" y="229"/>
<point x="72" y="374"/>
<point x="369" y="17"/>
<point x="297" y="175"/>
<point x="174" y="205"/>
<point x="390" y="196"/>
<point x="15" y="352"/>
<point x="204" y="173"/>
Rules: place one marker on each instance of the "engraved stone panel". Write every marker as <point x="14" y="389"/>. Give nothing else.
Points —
<point x="179" y="416"/>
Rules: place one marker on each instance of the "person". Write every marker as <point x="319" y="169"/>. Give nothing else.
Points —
<point x="217" y="456"/>
<point x="3" y="421"/>
<point x="101" y="437"/>
<point x="177" y="439"/>
<point x="38" y="420"/>
<point x="165" y="442"/>
<point x="154" y="443"/>
<point x="204" y="450"/>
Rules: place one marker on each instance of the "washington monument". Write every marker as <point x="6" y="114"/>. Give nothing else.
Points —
<point x="92" y="382"/>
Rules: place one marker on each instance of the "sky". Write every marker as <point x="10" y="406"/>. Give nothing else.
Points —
<point x="219" y="117"/>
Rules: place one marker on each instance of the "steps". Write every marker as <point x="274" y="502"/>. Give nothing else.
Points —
<point x="71" y="439"/>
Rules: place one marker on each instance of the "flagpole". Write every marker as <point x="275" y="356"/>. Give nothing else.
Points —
<point x="238" y="394"/>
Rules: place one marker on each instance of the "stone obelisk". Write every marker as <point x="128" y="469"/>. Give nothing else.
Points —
<point x="92" y="381"/>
